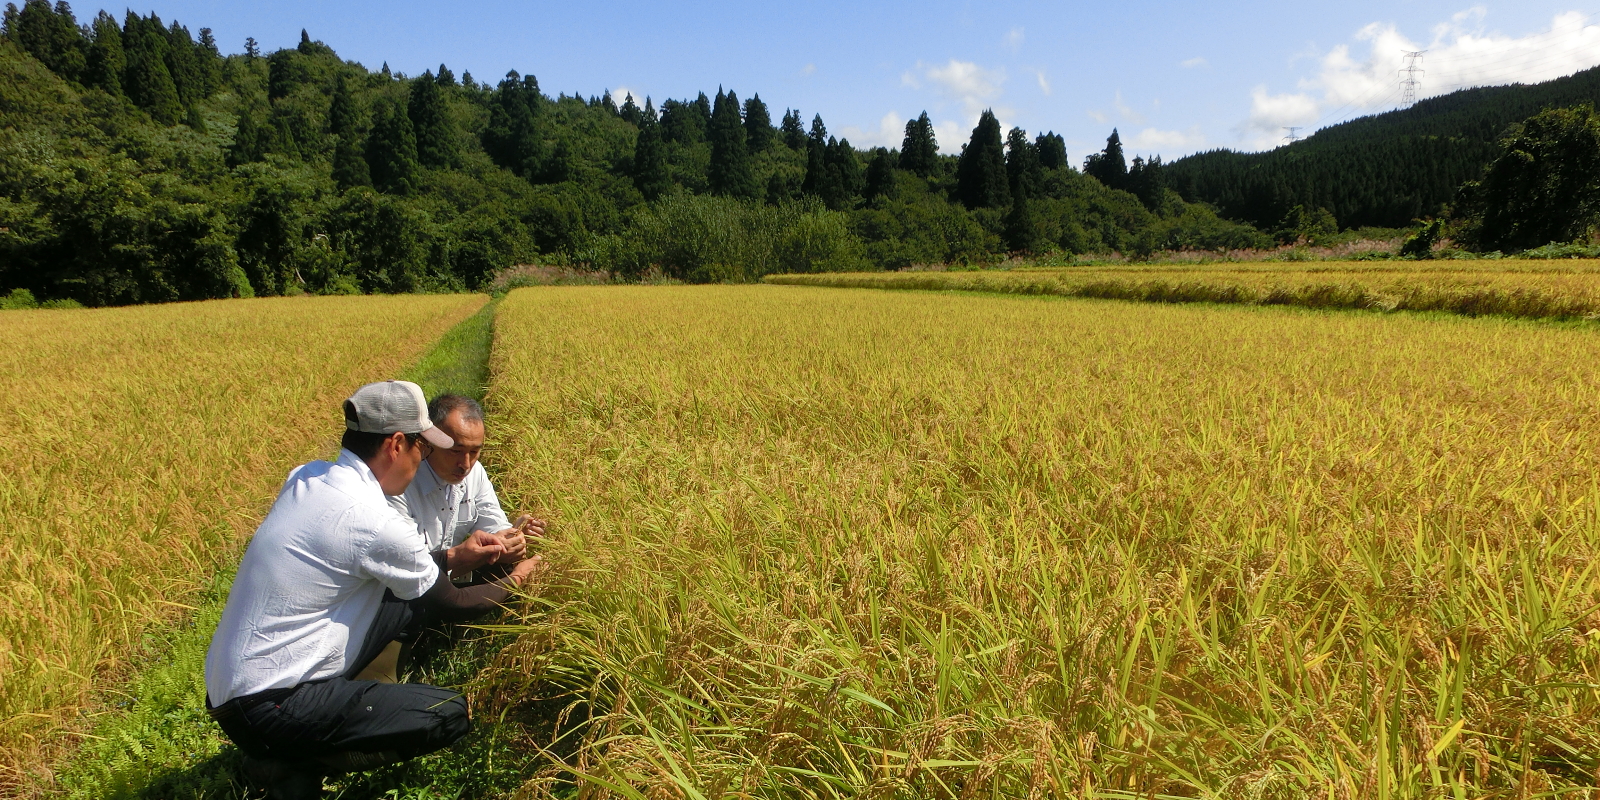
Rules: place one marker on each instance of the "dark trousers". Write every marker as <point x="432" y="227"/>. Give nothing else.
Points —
<point x="318" y="719"/>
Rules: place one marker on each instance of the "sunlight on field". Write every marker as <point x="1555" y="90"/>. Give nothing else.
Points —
<point x="834" y="543"/>
<point x="1568" y="288"/>
<point x="141" y="444"/>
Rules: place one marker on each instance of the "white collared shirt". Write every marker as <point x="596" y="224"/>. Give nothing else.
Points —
<point x="310" y="583"/>
<point x="446" y="514"/>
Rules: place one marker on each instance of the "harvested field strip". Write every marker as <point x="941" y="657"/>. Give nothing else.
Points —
<point x="142" y="444"/>
<point x="1535" y="290"/>
<point x="837" y="543"/>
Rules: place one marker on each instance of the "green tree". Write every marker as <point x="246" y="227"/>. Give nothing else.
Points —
<point x="281" y="73"/>
<point x="1022" y="164"/>
<point x="445" y="78"/>
<point x="1542" y="187"/>
<point x="436" y="137"/>
<point x="757" y="124"/>
<point x="880" y="176"/>
<point x="981" y="174"/>
<point x="919" y="151"/>
<point x="349" y="165"/>
<point x="251" y="141"/>
<point x="1305" y="226"/>
<point x="729" y="173"/>
<point x="816" y="180"/>
<point x="183" y="64"/>
<point x="513" y="137"/>
<point x="1052" y="150"/>
<point x="392" y="151"/>
<point x="1022" y="231"/>
<point x="650" y="175"/>
<point x="1147" y="180"/>
<point x="147" y="81"/>
<point x="682" y="122"/>
<point x="630" y="111"/>
<point x="50" y="35"/>
<point x="386" y="241"/>
<point x="106" y="60"/>
<point x="1108" y="166"/>
<point x="793" y="133"/>
<point x="209" y="60"/>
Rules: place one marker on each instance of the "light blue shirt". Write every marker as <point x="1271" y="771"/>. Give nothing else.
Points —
<point x="447" y="514"/>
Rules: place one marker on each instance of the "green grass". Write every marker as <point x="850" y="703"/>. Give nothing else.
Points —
<point x="459" y="362"/>
<point x="154" y="739"/>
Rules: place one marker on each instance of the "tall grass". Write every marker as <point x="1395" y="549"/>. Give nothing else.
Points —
<point x="814" y="543"/>
<point x="1559" y="290"/>
<point x="141" y="445"/>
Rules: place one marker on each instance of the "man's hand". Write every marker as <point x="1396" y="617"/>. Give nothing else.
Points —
<point x="527" y="566"/>
<point x="515" y="538"/>
<point x="475" y="552"/>
<point x="529" y="526"/>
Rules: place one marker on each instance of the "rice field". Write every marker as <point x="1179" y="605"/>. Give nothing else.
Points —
<point x="141" y="444"/>
<point x="821" y="543"/>
<point x="1561" y="289"/>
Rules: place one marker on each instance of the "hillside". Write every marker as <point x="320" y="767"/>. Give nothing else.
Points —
<point x="138" y="163"/>
<point x="1383" y="170"/>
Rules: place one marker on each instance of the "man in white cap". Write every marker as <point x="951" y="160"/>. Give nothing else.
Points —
<point x="301" y="670"/>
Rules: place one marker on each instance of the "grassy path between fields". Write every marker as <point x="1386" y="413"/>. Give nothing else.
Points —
<point x="158" y="743"/>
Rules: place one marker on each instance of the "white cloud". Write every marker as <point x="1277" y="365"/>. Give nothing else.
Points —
<point x="1097" y="116"/>
<point x="951" y="135"/>
<point x="1152" y="141"/>
<point x="890" y="133"/>
<point x="974" y="88"/>
<point x="808" y="69"/>
<point x="966" y="82"/>
<point x="1460" y="54"/>
<point x="1125" y="112"/>
<point x="1197" y="61"/>
<point x="1013" y="40"/>
<point x="1044" y="83"/>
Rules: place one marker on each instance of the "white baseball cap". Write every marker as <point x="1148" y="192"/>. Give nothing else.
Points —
<point x="393" y="407"/>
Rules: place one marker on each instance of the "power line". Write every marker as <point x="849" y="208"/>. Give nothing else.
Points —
<point x="1294" y="134"/>
<point x="1410" y="84"/>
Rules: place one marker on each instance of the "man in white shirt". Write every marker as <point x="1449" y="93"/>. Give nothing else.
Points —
<point x="451" y="498"/>
<point x="332" y="580"/>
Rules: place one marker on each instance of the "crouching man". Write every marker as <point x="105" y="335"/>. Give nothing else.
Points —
<point x="301" y="670"/>
<point x="453" y="503"/>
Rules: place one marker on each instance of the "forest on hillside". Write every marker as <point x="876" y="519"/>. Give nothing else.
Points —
<point x="139" y="163"/>
<point x="1384" y="170"/>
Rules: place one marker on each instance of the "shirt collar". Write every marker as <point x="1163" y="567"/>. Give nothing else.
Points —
<point x="354" y="462"/>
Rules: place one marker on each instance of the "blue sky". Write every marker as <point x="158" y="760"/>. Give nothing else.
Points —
<point x="1174" y="77"/>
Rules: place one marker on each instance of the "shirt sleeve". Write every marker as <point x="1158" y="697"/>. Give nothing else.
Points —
<point x="397" y="558"/>
<point x="490" y="516"/>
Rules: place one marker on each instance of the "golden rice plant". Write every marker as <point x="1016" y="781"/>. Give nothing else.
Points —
<point x="1533" y="289"/>
<point x="141" y="445"/>
<point x="833" y="543"/>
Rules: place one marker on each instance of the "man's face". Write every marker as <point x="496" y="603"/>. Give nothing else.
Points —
<point x="405" y="456"/>
<point x="453" y="465"/>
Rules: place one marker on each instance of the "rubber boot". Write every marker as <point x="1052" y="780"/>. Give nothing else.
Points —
<point x="284" y="780"/>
